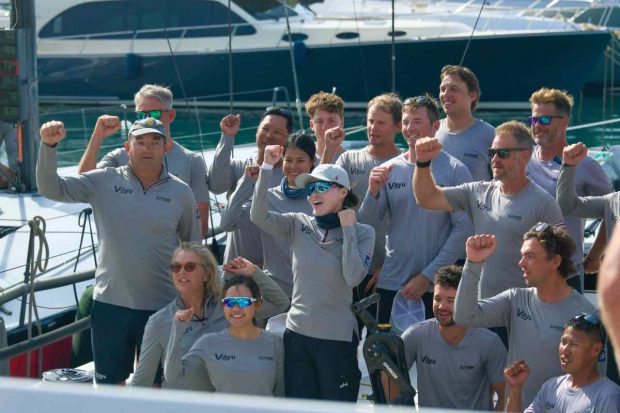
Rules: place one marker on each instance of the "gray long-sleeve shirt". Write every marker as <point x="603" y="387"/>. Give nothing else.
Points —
<point x="327" y="264"/>
<point x="534" y="326"/>
<point x="418" y="240"/>
<point x="138" y="228"/>
<point x="605" y="207"/>
<point x="158" y="329"/>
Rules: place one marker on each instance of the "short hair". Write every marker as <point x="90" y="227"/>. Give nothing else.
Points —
<point x="212" y="285"/>
<point x="303" y="142"/>
<point x="556" y="241"/>
<point x="161" y="93"/>
<point x="595" y="330"/>
<point x="329" y="102"/>
<point x="280" y="111"/>
<point x="424" y="101"/>
<point x="389" y="103"/>
<point x="466" y="75"/>
<point x="449" y="276"/>
<point x="521" y="133"/>
<point x="561" y="99"/>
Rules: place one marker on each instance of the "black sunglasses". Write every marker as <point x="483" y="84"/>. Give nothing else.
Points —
<point x="504" y="152"/>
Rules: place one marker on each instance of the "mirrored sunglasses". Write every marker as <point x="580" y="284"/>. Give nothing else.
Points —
<point x="543" y="120"/>
<point x="155" y="114"/>
<point x="319" y="186"/>
<point x="242" y="302"/>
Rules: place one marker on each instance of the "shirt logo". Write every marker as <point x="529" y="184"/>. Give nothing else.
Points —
<point x="357" y="171"/>
<point x="397" y="185"/>
<point x="549" y="405"/>
<point x="123" y="190"/>
<point x="224" y="357"/>
<point x="614" y="218"/>
<point x="428" y="360"/>
<point x="306" y="229"/>
<point x="471" y="155"/>
<point x="163" y="198"/>
<point x="264" y="358"/>
<point x="523" y="315"/>
<point x="556" y="327"/>
<point x="482" y="206"/>
<point x="466" y="367"/>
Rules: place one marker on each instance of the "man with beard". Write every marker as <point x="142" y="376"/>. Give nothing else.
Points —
<point x="458" y="367"/>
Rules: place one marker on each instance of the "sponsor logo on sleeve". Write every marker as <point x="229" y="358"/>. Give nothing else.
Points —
<point x="482" y="206"/>
<point x="523" y="315"/>
<point x="367" y="259"/>
<point x="306" y="228"/>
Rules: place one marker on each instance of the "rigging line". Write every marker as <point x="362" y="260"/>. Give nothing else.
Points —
<point x="393" y="51"/>
<point x="50" y="269"/>
<point x="293" y="66"/>
<point x="361" y="52"/>
<point x="472" y="34"/>
<point x="230" y="67"/>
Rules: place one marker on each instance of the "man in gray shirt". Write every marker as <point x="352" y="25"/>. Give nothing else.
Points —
<point x="153" y="101"/>
<point x="534" y="316"/>
<point x="551" y="109"/>
<point x="582" y="388"/>
<point x="225" y="174"/>
<point x="506" y="206"/>
<point x="458" y="367"/>
<point x="142" y="213"/>
<point x="419" y="241"/>
<point x="463" y="136"/>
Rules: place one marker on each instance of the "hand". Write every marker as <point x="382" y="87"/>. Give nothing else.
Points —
<point x="347" y="217"/>
<point x="371" y="285"/>
<point x="480" y="247"/>
<point x="106" y="125"/>
<point x="591" y="265"/>
<point x="240" y="266"/>
<point x="230" y="125"/>
<point x="415" y="287"/>
<point x="334" y="138"/>
<point x="273" y="153"/>
<point x="377" y="178"/>
<point x="427" y="149"/>
<point x="516" y="374"/>
<point x="53" y="132"/>
<point x="573" y="154"/>
<point x="252" y="171"/>
<point x="184" y="315"/>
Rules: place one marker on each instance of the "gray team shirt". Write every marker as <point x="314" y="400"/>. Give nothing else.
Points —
<point x="470" y="147"/>
<point x="186" y="165"/>
<point x="590" y="179"/>
<point x="508" y="217"/>
<point x="327" y="264"/>
<point x="224" y="175"/>
<point x="233" y="365"/>
<point x="138" y="228"/>
<point x="455" y="376"/>
<point x="418" y="240"/>
<point x="558" y="396"/>
<point x="605" y="207"/>
<point x="534" y="327"/>
<point x="158" y="329"/>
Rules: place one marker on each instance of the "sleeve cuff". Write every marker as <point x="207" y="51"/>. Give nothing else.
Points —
<point x="266" y="166"/>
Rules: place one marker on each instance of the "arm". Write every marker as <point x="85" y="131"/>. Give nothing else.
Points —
<point x="516" y="375"/>
<point x="151" y="354"/>
<point x="106" y="125"/>
<point x="608" y="289"/>
<point x="272" y="293"/>
<point x="200" y="188"/>
<point x="223" y="173"/>
<point x="279" y="358"/>
<point x="278" y="225"/>
<point x="427" y="194"/>
<point x="189" y="225"/>
<point x="357" y="247"/>
<point x="494" y="365"/>
<point x="373" y="208"/>
<point x="332" y="141"/>
<point x="592" y="261"/>
<point x="570" y="203"/>
<point x="234" y="212"/>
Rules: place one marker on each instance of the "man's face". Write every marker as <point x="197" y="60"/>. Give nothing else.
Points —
<point x="454" y="96"/>
<point x="548" y="135"/>
<point x="443" y="305"/>
<point x="416" y="125"/>
<point x="271" y="131"/>
<point x="381" y="127"/>
<point x="167" y="115"/>
<point x="324" y="120"/>
<point x="536" y="263"/>
<point x="578" y="351"/>
<point x="513" y="166"/>
<point x="146" y="152"/>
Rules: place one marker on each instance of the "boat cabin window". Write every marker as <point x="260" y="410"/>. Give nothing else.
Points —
<point x="266" y="9"/>
<point x="145" y="19"/>
<point x="591" y="16"/>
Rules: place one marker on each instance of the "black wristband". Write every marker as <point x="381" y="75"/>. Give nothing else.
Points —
<point x="422" y="164"/>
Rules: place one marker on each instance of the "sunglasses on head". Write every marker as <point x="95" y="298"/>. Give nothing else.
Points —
<point x="241" y="302"/>
<point x="543" y="120"/>
<point x="540" y="227"/>
<point x="188" y="266"/>
<point x="155" y="114"/>
<point x="320" y="187"/>
<point x="420" y="100"/>
<point x="282" y="111"/>
<point x="503" y="152"/>
<point x="593" y="320"/>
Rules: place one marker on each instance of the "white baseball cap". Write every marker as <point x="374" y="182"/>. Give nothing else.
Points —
<point x="327" y="173"/>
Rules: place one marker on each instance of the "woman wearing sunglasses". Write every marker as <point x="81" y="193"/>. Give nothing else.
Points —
<point x="242" y="358"/>
<point x="196" y="278"/>
<point x="331" y="254"/>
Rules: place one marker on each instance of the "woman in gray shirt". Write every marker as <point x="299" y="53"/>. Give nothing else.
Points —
<point x="331" y="254"/>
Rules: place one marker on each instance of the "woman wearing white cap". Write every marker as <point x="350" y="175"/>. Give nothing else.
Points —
<point x="331" y="254"/>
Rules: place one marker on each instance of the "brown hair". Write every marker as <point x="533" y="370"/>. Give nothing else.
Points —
<point x="424" y="101"/>
<point x="519" y="130"/>
<point x="328" y="102"/>
<point x="561" y="99"/>
<point x="389" y="103"/>
<point x="556" y="241"/>
<point x="467" y="76"/>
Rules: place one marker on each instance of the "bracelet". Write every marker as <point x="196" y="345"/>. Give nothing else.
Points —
<point x="422" y="164"/>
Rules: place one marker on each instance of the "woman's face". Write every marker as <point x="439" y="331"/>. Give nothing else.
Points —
<point x="327" y="202"/>
<point x="296" y="162"/>
<point x="188" y="273"/>
<point x="238" y="316"/>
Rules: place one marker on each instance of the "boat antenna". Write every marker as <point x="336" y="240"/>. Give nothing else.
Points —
<point x="472" y="34"/>
<point x="230" y="67"/>
<point x="393" y="51"/>
<point x="296" y="83"/>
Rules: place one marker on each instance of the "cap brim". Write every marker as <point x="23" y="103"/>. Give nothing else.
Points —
<point x="302" y="180"/>
<point x="144" y="131"/>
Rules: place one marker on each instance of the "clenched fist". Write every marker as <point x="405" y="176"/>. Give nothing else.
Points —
<point x="53" y="132"/>
<point x="347" y="217"/>
<point x="273" y="153"/>
<point x="230" y="125"/>
<point x="573" y="154"/>
<point x="480" y="247"/>
<point x="184" y="315"/>
<point x="106" y="125"/>
<point x="427" y="149"/>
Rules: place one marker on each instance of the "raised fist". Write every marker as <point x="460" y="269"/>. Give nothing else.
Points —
<point x="347" y="217"/>
<point x="106" y="125"/>
<point x="53" y="132"/>
<point x="334" y="137"/>
<point x="573" y="154"/>
<point x="230" y="125"/>
<point x="480" y="247"/>
<point x="377" y="178"/>
<point x="252" y="171"/>
<point x="240" y="266"/>
<point x="273" y="153"/>
<point x="516" y="373"/>
<point x="427" y="149"/>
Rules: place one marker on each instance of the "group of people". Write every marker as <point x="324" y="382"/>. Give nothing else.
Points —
<point x="313" y="227"/>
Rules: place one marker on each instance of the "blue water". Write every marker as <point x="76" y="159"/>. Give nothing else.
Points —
<point x="199" y="128"/>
